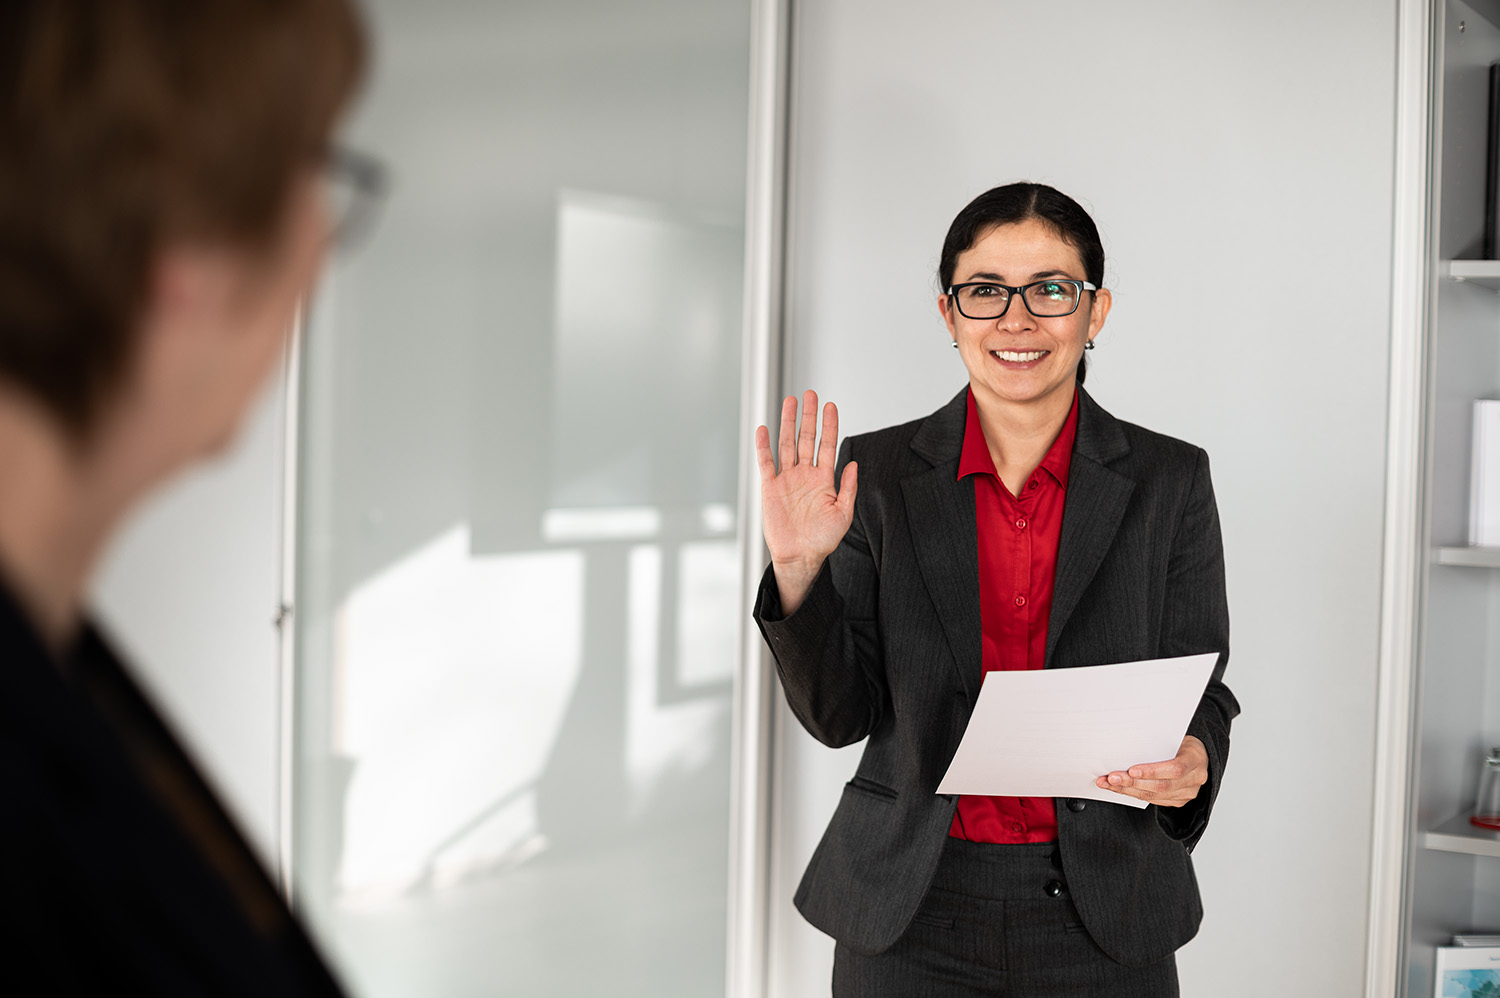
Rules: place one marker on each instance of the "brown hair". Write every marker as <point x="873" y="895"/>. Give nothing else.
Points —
<point x="126" y="125"/>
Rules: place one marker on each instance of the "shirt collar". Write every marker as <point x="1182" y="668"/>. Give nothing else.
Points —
<point x="975" y="456"/>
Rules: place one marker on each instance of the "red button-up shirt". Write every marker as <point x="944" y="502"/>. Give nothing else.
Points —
<point x="1018" y="538"/>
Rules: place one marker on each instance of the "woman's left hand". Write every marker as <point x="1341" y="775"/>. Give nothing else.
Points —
<point x="1167" y="784"/>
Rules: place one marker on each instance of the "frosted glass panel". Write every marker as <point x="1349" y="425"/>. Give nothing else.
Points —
<point x="518" y="588"/>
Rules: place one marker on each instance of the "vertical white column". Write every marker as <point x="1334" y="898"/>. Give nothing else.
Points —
<point x="754" y="696"/>
<point x="1405" y="539"/>
<point x="285" y="631"/>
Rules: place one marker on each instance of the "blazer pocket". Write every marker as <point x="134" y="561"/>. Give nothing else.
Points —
<point x="871" y="788"/>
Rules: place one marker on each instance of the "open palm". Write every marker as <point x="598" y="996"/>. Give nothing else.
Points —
<point x="804" y="516"/>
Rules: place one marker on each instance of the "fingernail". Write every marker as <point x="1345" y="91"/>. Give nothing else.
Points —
<point x="1116" y="779"/>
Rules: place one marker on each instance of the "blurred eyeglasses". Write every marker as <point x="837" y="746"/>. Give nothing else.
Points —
<point x="354" y="185"/>
<point x="1047" y="299"/>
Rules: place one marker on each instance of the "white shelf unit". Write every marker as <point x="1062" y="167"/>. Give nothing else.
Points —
<point x="1469" y="557"/>
<point x="1485" y="273"/>
<point x="1458" y="834"/>
<point x="1451" y="875"/>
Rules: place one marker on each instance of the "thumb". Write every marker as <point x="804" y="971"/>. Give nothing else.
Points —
<point x="849" y="488"/>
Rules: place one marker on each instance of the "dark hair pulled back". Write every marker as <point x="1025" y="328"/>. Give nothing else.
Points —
<point x="1020" y="202"/>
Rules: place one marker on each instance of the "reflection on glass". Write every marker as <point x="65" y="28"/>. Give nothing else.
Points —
<point x="518" y="588"/>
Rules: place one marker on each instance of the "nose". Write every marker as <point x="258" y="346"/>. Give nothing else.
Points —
<point x="1017" y="317"/>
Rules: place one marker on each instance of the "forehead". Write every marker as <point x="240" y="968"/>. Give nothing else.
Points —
<point x="1018" y="250"/>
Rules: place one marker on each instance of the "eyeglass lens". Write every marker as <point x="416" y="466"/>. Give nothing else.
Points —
<point x="1047" y="298"/>
<point x="352" y="188"/>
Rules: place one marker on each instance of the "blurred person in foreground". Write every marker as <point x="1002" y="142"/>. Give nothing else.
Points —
<point x="162" y="211"/>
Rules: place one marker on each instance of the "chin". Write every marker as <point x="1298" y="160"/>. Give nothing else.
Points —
<point x="220" y="442"/>
<point x="1024" y="391"/>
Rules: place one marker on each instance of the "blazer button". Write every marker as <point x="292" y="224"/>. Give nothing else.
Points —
<point x="1052" y="889"/>
<point x="1076" y="805"/>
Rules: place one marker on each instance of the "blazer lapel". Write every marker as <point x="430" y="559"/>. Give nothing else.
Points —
<point x="940" y="514"/>
<point x="1092" y="510"/>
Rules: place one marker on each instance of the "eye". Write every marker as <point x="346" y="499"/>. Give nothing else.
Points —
<point x="984" y="290"/>
<point x="1055" y="290"/>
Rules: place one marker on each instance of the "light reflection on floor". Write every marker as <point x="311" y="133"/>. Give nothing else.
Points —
<point x="455" y="675"/>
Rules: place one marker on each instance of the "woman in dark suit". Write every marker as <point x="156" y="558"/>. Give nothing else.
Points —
<point x="162" y="177"/>
<point x="1018" y="527"/>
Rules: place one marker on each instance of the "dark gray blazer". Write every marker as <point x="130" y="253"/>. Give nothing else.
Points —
<point x="886" y="646"/>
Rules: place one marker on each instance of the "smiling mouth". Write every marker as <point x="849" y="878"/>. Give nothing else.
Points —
<point x="1019" y="356"/>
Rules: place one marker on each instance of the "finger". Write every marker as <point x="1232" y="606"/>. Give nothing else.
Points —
<point x="1171" y="793"/>
<point x="1149" y="796"/>
<point x="1156" y="788"/>
<point x="848" y="489"/>
<point x="1119" y="781"/>
<point x="828" y="447"/>
<point x="763" y="454"/>
<point x="1123" y="789"/>
<point x="786" y="438"/>
<point x="1171" y="769"/>
<point x="809" y="431"/>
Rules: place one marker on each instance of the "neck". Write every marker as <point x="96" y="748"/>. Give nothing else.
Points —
<point x="58" y="502"/>
<point x="1019" y="434"/>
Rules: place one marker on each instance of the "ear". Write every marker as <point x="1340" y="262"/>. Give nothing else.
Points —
<point x="1098" y="312"/>
<point x="186" y="287"/>
<point x="945" y="309"/>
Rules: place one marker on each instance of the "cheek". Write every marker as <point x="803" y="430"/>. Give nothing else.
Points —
<point x="1074" y="329"/>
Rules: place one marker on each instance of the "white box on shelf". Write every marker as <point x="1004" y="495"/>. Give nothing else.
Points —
<point x="1465" y="971"/>
<point x="1484" y="476"/>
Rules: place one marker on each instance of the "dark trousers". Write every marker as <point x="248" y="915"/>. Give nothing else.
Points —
<point x="997" y="921"/>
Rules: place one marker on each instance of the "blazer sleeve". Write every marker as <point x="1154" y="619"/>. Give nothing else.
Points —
<point x="827" y="651"/>
<point x="1195" y="619"/>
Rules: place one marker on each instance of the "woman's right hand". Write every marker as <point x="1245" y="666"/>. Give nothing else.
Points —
<point x="804" y="518"/>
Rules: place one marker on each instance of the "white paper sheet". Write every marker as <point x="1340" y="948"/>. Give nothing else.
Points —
<point x="1053" y="732"/>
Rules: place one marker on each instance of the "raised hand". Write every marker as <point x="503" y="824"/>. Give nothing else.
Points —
<point x="803" y="516"/>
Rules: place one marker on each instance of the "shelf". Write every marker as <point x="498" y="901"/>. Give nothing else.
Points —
<point x="1485" y="273"/>
<point x="1471" y="557"/>
<point x="1457" y="835"/>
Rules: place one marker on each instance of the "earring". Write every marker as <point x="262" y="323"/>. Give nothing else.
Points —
<point x="1087" y="346"/>
<point x="955" y="344"/>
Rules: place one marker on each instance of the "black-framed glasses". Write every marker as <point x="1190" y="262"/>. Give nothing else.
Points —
<point x="1049" y="299"/>
<point x="354" y="185"/>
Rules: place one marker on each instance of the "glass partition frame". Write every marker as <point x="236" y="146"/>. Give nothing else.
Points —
<point x="754" y="686"/>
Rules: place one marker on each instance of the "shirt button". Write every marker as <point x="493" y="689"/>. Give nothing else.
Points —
<point x="1020" y="601"/>
<point x="1017" y="827"/>
<point x="1021" y="523"/>
<point x="1031" y="484"/>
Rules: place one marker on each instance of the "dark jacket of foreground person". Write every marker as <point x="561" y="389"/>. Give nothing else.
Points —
<point x="121" y="872"/>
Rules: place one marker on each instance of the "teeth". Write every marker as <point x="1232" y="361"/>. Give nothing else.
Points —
<point x="1017" y="357"/>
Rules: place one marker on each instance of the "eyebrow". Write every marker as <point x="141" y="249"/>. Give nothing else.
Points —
<point x="1040" y="275"/>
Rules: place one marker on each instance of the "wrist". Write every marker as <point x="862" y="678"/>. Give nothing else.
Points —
<point x="798" y="568"/>
<point x="794" y="578"/>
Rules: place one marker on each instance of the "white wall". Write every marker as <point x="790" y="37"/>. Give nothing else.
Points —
<point x="1241" y="149"/>
<point x="189" y="591"/>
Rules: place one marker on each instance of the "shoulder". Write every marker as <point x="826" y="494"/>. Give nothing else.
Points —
<point x="906" y="448"/>
<point x="1158" y="449"/>
<point x="883" y="450"/>
<point x="1131" y="447"/>
<point x="1166" y="470"/>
